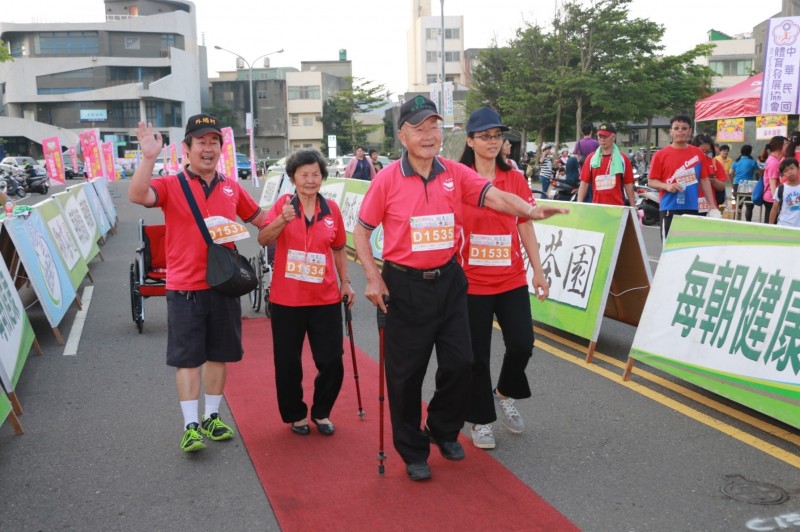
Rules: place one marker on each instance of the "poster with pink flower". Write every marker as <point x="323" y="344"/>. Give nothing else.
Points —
<point x="108" y="157"/>
<point x="90" y="146"/>
<point x="51" y="147"/>
<point x="227" y="160"/>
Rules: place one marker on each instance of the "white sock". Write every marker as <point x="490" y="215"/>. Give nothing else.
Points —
<point x="189" y="409"/>
<point x="212" y="404"/>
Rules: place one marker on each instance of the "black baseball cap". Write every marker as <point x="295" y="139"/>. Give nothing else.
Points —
<point x="605" y="129"/>
<point x="199" y="125"/>
<point x="416" y="110"/>
<point x="483" y="119"/>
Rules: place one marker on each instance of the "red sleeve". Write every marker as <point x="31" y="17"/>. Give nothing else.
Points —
<point x="655" y="167"/>
<point x="586" y="170"/>
<point x="721" y="174"/>
<point x="246" y="208"/>
<point x="159" y="185"/>
<point x="373" y="206"/>
<point x="627" y="178"/>
<point x="340" y="239"/>
<point x="473" y="186"/>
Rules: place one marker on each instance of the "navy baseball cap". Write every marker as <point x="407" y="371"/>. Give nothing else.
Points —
<point x="483" y="119"/>
<point x="416" y="110"/>
<point x="199" y="125"/>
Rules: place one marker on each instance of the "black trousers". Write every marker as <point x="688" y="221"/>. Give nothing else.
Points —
<point x="513" y="311"/>
<point x="323" y="324"/>
<point x="666" y="220"/>
<point x="424" y="314"/>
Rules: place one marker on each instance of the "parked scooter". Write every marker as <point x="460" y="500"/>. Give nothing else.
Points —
<point x="14" y="187"/>
<point x="648" y="202"/>
<point x="35" y="182"/>
<point x="562" y="190"/>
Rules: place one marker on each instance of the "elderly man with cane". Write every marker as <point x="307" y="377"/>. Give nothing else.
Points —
<point x="418" y="199"/>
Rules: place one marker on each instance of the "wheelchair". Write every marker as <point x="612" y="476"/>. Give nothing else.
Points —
<point x="262" y="264"/>
<point x="148" y="270"/>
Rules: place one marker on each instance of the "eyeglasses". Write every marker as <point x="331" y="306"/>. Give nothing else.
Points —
<point x="488" y="138"/>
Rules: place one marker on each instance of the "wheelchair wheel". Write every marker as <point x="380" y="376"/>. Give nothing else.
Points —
<point x="255" y="295"/>
<point x="137" y="301"/>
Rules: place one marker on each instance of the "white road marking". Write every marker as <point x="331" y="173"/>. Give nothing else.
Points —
<point x="77" y="326"/>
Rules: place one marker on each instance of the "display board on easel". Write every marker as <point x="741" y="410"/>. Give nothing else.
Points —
<point x="596" y="265"/>
<point x="64" y="241"/>
<point x="16" y="336"/>
<point x="42" y="266"/>
<point x="78" y="214"/>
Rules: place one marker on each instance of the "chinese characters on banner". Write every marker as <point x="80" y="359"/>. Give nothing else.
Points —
<point x="108" y="157"/>
<point x="779" y="90"/>
<point x="730" y="130"/>
<point x="90" y="146"/>
<point x="174" y="163"/>
<point x="569" y="260"/>
<point x="73" y="159"/>
<point x="445" y="108"/>
<point x="52" y="159"/>
<point x="227" y="160"/>
<point x="771" y="126"/>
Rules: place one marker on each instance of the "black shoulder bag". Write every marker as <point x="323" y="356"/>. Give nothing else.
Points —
<point x="227" y="272"/>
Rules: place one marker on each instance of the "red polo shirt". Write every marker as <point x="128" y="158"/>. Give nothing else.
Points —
<point x="493" y="259"/>
<point x="187" y="251"/>
<point x="607" y="188"/>
<point x="298" y="279"/>
<point x="422" y="218"/>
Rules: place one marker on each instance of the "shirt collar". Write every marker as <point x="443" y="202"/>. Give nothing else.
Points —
<point x="436" y="168"/>
<point x="192" y="175"/>
<point x="324" y="208"/>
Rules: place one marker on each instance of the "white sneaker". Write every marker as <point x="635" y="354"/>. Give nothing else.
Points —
<point x="482" y="436"/>
<point x="509" y="414"/>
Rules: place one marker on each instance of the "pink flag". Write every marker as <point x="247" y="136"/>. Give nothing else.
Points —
<point x="91" y="154"/>
<point x="174" y="163"/>
<point x="73" y="156"/>
<point x="52" y="159"/>
<point x="227" y="161"/>
<point x="108" y="158"/>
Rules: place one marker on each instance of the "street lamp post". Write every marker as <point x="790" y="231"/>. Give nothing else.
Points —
<point x="250" y="119"/>
<point x="441" y="92"/>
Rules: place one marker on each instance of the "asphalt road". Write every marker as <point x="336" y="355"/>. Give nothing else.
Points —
<point x="100" y="450"/>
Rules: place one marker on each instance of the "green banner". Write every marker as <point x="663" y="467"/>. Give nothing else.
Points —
<point x="578" y="253"/>
<point x="80" y="220"/>
<point x="724" y="313"/>
<point x="65" y="243"/>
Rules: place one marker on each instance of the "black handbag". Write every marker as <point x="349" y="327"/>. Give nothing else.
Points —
<point x="227" y="272"/>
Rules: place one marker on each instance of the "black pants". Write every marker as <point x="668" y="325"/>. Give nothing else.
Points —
<point x="423" y="314"/>
<point x="323" y="324"/>
<point x="666" y="220"/>
<point x="513" y="311"/>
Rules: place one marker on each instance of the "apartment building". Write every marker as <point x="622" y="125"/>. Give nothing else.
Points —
<point x="144" y="61"/>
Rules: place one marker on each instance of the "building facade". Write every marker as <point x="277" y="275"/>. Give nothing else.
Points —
<point x="143" y="63"/>
<point x="425" y="48"/>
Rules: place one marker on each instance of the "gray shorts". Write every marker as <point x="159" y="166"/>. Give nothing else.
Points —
<point x="203" y="326"/>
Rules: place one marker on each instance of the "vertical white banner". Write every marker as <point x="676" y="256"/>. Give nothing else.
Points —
<point x="779" y="90"/>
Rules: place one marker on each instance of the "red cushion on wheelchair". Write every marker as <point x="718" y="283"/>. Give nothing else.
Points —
<point x="155" y="249"/>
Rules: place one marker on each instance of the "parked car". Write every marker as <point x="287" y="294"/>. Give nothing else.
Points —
<point x="10" y="164"/>
<point x="159" y="169"/>
<point x="243" y="166"/>
<point x="278" y="166"/>
<point x="337" y="165"/>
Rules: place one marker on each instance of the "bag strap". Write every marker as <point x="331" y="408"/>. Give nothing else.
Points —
<point x="184" y="181"/>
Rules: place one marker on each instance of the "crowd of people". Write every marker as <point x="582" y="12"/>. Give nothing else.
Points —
<point x="455" y="236"/>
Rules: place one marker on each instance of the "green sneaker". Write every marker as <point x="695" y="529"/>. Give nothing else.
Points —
<point x="214" y="428"/>
<point x="192" y="441"/>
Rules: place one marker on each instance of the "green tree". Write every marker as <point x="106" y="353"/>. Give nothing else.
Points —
<point x="340" y="112"/>
<point x="5" y="55"/>
<point x="604" y="43"/>
<point x="224" y="113"/>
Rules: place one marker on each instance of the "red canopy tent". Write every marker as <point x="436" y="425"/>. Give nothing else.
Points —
<point x="739" y="101"/>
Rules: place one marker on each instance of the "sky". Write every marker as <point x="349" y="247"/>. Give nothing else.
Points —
<point x="374" y="33"/>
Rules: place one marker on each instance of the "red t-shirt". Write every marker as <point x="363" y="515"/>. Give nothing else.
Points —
<point x="422" y="219"/>
<point x="682" y="165"/>
<point x="304" y="272"/>
<point x="715" y="169"/>
<point x="606" y="188"/>
<point x="187" y="251"/>
<point x="493" y="259"/>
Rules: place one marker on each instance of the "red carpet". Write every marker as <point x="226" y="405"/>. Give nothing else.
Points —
<point x="332" y="483"/>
